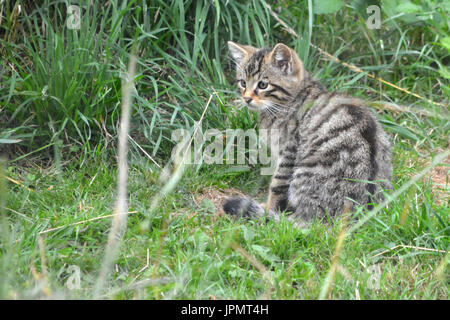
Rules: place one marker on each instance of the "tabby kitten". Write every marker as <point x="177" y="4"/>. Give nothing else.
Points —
<point x="333" y="154"/>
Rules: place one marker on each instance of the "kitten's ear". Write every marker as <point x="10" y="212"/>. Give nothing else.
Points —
<point x="286" y="60"/>
<point x="239" y="52"/>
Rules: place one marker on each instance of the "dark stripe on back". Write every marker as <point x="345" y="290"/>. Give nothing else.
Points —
<point x="292" y="149"/>
<point x="286" y="165"/>
<point x="304" y="174"/>
<point x="289" y="157"/>
<point x="324" y="118"/>
<point x="327" y="158"/>
<point x="368" y="132"/>
<point x="333" y="133"/>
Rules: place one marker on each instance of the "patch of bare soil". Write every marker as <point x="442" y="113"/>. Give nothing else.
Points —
<point x="440" y="179"/>
<point x="217" y="196"/>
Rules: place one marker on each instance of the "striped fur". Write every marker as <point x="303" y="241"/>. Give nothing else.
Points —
<point x="333" y="153"/>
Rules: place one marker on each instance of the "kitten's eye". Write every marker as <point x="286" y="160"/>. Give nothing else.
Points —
<point x="242" y="83"/>
<point x="263" y="84"/>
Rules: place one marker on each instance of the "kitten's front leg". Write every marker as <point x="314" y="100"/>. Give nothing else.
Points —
<point x="278" y="190"/>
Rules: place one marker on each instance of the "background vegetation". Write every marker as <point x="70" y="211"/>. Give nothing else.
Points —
<point x="60" y="98"/>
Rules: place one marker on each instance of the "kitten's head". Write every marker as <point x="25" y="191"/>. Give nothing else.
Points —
<point x="268" y="78"/>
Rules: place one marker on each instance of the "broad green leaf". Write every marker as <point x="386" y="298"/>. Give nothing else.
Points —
<point x="388" y="7"/>
<point x="446" y="5"/>
<point x="445" y="42"/>
<point x="408" y="7"/>
<point x="264" y="252"/>
<point x="327" y="6"/>
<point x="445" y="72"/>
<point x="208" y="205"/>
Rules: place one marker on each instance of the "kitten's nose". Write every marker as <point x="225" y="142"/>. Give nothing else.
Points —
<point x="248" y="100"/>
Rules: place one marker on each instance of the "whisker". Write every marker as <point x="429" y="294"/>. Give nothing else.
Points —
<point x="279" y="108"/>
<point x="283" y="107"/>
<point x="270" y="110"/>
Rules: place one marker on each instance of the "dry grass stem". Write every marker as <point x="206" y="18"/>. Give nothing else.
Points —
<point x="145" y="152"/>
<point x="119" y="220"/>
<point x="18" y="183"/>
<point x="84" y="221"/>
<point x="19" y="214"/>
<point x="409" y="247"/>
<point x="43" y="256"/>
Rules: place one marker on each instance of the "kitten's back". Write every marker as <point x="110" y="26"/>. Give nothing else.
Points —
<point x="343" y="147"/>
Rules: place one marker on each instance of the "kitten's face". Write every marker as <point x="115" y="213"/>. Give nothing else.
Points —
<point x="268" y="78"/>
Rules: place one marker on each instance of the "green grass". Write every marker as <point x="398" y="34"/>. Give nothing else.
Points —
<point x="191" y="247"/>
<point x="60" y="95"/>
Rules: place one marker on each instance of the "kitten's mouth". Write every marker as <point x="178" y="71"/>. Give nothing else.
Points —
<point x="254" y="106"/>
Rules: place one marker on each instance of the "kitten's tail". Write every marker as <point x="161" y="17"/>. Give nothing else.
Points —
<point x="243" y="207"/>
